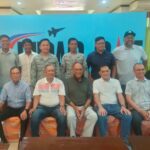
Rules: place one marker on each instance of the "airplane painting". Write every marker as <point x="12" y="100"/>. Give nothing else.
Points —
<point x="54" y="31"/>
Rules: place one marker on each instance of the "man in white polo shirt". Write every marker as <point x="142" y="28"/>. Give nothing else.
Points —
<point x="109" y="101"/>
<point x="49" y="100"/>
<point x="126" y="56"/>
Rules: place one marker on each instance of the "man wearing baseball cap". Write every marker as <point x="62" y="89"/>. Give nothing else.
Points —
<point x="130" y="32"/>
<point x="127" y="56"/>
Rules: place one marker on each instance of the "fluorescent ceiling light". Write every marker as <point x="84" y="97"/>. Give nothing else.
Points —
<point x="67" y="5"/>
<point x="66" y="8"/>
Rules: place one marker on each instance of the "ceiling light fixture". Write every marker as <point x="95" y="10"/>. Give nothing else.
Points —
<point x="104" y="1"/>
<point x="91" y="11"/>
<point x="19" y="3"/>
<point x="66" y="9"/>
<point x="38" y="12"/>
<point x="67" y="5"/>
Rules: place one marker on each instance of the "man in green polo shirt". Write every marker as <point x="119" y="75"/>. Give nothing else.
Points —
<point x="78" y="98"/>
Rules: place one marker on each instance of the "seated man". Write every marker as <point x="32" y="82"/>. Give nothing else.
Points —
<point x="106" y="92"/>
<point x="78" y="98"/>
<point x="17" y="94"/>
<point x="49" y="100"/>
<point x="138" y="97"/>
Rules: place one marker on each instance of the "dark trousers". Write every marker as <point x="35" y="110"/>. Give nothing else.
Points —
<point x="10" y="112"/>
<point x="136" y="122"/>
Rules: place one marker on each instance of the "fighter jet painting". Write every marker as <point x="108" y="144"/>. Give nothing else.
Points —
<point x="54" y="31"/>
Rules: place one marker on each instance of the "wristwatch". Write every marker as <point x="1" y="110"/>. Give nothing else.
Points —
<point x="123" y="106"/>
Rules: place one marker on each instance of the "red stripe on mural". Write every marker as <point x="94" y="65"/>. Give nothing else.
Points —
<point x="13" y="42"/>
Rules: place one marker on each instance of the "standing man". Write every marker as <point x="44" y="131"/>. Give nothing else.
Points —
<point x="49" y="100"/>
<point x="78" y="98"/>
<point x="7" y="60"/>
<point x="100" y="57"/>
<point x="17" y="95"/>
<point x="138" y="97"/>
<point x="40" y="61"/>
<point x="70" y="58"/>
<point x="26" y="59"/>
<point x="126" y="56"/>
<point x="110" y="101"/>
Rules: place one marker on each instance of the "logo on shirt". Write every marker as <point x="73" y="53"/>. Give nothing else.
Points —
<point x="43" y="87"/>
<point x="55" y="87"/>
<point x="46" y="87"/>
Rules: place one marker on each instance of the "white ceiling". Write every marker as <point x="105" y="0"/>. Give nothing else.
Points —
<point x="71" y="6"/>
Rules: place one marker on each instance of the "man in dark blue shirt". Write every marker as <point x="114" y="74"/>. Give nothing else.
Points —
<point x="100" y="57"/>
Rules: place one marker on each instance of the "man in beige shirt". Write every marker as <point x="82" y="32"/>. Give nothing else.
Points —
<point x="26" y="59"/>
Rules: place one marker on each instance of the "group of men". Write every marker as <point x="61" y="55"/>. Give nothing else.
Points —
<point x="37" y="76"/>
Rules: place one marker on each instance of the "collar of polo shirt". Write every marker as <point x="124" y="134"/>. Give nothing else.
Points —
<point x="16" y="83"/>
<point x="48" y="82"/>
<point x="126" y="48"/>
<point x="140" y="80"/>
<point x="105" y="80"/>
<point x="99" y="53"/>
<point x="82" y="78"/>
<point x="30" y="53"/>
<point x="9" y="51"/>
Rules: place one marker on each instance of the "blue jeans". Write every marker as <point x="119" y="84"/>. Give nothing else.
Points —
<point x="136" y="122"/>
<point x="114" y="110"/>
<point x="42" y="112"/>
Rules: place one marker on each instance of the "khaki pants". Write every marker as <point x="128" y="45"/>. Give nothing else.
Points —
<point x="91" y="118"/>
